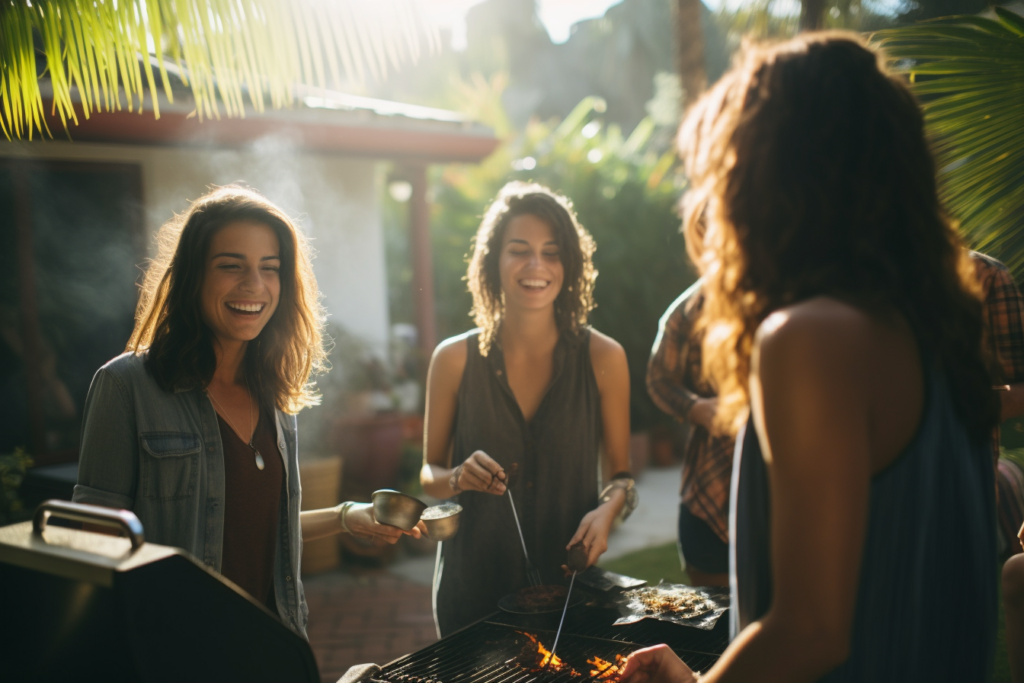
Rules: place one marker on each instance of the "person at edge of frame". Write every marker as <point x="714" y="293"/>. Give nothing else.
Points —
<point x="842" y="327"/>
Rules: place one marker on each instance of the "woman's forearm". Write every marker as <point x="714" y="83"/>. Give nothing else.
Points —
<point x="616" y="501"/>
<point x="435" y="480"/>
<point x="790" y="653"/>
<point x="320" y="523"/>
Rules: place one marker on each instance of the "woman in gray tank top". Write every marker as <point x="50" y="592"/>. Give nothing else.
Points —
<point x="532" y="390"/>
<point x="843" y="330"/>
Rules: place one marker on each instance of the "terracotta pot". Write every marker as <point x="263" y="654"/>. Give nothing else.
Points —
<point x="412" y="428"/>
<point x="371" y="446"/>
<point x="321" y="488"/>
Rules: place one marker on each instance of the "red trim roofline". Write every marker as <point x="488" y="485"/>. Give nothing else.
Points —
<point x="378" y="139"/>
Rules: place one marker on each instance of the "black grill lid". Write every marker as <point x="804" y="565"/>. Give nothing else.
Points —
<point x="83" y="606"/>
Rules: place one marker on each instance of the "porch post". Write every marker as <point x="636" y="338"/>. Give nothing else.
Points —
<point x="422" y="261"/>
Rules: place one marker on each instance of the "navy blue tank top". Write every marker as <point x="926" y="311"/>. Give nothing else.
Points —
<point x="927" y="601"/>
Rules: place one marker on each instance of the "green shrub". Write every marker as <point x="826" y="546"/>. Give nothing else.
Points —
<point x="12" y="473"/>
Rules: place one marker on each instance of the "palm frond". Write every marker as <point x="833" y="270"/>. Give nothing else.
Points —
<point x="969" y="75"/>
<point x="226" y="51"/>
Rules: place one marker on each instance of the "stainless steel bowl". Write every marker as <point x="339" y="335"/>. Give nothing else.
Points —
<point x="397" y="509"/>
<point x="442" y="521"/>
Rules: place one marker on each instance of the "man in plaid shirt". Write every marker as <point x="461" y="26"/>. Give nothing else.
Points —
<point x="1003" y="322"/>
<point x="1003" y="312"/>
<point x="676" y="384"/>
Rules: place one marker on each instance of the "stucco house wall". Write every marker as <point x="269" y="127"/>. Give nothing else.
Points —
<point x="334" y="198"/>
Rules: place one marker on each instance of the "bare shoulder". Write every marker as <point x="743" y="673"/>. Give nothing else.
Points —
<point x="604" y="349"/>
<point x="449" y="359"/>
<point x="819" y="331"/>
<point x="608" y="359"/>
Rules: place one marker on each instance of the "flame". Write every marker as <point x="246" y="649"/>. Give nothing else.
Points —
<point x="543" y="658"/>
<point x="605" y="670"/>
<point x="547" y="659"/>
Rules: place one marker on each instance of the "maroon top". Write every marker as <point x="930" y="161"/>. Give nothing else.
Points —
<point x="251" y="501"/>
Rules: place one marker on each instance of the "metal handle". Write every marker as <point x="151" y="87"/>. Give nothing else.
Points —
<point x="125" y="520"/>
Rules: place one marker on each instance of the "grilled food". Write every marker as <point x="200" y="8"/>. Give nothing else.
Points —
<point x="655" y="600"/>
<point x="541" y="597"/>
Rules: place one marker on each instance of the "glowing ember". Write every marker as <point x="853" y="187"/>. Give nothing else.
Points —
<point x="605" y="670"/>
<point x="543" y="659"/>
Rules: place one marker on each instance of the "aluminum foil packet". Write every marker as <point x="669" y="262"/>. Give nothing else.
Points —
<point x="694" y="606"/>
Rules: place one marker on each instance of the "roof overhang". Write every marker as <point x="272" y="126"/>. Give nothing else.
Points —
<point x="324" y="124"/>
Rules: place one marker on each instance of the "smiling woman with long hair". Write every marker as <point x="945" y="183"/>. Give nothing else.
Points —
<point x="842" y="328"/>
<point x="532" y="390"/>
<point x="193" y="428"/>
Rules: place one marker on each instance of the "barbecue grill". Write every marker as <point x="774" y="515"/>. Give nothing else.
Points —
<point x="503" y="648"/>
<point x="80" y="606"/>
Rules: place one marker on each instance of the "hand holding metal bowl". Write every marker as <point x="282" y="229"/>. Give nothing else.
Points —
<point x="397" y="509"/>
<point x="442" y="521"/>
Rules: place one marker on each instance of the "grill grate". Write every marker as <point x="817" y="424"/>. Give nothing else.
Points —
<point x="652" y="631"/>
<point x="597" y="623"/>
<point x="490" y="652"/>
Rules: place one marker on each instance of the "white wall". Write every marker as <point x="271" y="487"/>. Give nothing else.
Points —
<point x="334" y="199"/>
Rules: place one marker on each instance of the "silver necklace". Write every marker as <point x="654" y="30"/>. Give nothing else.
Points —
<point x="252" y="432"/>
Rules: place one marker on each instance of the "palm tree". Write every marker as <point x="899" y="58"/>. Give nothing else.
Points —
<point x="968" y="72"/>
<point x="222" y="49"/>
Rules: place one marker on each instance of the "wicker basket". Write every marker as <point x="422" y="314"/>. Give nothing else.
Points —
<point x="321" y="488"/>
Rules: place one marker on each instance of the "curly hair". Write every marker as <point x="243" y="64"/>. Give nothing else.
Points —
<point x="811" y="175"/>
<point x="575" y="248"/>
<point x="168" y="320"/>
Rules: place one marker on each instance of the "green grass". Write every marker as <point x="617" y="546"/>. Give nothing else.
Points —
<point x="662" y="563"/>
<point x="652" y="565"/>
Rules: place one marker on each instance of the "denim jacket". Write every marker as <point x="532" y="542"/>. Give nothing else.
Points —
<point x="160" y="455"/>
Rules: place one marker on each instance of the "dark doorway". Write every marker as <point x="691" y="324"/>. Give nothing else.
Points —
<point x="71" y="237"/>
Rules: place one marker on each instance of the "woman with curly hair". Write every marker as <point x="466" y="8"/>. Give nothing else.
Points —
<point x="193" y="428"/>
<point x="533" y="391"/>
<point x="842" y="328"/>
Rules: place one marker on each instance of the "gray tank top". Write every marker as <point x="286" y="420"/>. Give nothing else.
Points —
<point x="926" y="603"/>
<point x="557" y="455"/>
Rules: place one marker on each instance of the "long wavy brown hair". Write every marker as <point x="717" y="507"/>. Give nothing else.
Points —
<point x="168" y="320"/>
<point x="575" y="248"/>
<point x="811" y="175"/>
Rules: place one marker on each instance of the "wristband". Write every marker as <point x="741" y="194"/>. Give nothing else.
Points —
<point x="624" y="481"/>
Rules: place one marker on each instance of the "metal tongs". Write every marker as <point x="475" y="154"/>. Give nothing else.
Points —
<point x="532" y="575"/>
<point x="577" y="563"/>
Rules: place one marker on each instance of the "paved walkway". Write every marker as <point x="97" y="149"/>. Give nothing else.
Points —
<point x="372" y="616"/>
<point x="378" y="615"/>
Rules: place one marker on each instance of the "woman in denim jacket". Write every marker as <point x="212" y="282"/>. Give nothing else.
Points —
<point x="193" y="428"/>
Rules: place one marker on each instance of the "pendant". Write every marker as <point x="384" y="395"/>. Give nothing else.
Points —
<point x="259" y="459"/>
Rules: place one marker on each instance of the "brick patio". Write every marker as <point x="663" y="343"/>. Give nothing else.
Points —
<point x="368" y="615"/>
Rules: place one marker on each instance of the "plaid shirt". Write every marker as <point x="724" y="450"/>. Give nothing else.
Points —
<point x="675" y="383"/>
<point x="1002" y="312"/>
<point x="1003" y="319"/>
